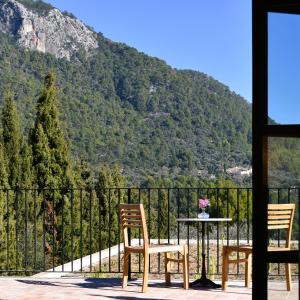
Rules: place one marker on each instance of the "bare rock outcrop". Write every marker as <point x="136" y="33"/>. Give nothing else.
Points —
<point x="53" y="32"/>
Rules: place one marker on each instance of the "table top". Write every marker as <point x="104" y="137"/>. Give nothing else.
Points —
<point x="204" y="220"/>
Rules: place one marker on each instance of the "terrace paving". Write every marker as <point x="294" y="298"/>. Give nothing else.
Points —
<point x="27" y="288"/>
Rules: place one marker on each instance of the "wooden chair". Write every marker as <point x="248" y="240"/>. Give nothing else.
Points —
<point x="280" y="216"/>
<point x="133" y="216"/>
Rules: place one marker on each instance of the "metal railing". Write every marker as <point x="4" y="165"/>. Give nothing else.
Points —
<point x="43" y="229"/>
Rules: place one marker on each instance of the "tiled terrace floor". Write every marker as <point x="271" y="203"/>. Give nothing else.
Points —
<point x="85" y="288"/>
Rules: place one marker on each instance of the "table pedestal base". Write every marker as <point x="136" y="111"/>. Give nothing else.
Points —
<point x="205" y="282"/>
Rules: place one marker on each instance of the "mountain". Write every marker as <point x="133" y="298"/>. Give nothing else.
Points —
<point x="120" y="105"/>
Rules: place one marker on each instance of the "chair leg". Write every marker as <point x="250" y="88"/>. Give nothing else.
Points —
<point x="146" y="272"/>
<point x="185" y="268"/>
<point x="224" y="268"/>
<point x="288" y="277"/>
<point x="167" y="268"/>
<point x="125" y="270"/>
<point x="248" y="266"/>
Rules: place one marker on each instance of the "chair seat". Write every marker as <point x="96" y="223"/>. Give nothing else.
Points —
<point x="245" y="248"/>
<point x="271" y="249"/>
<point x="165" y="248"/>
<point x="239" y="248"/>
<point x="156" y="248"/>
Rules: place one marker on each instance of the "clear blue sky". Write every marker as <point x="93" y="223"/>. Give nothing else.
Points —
<point x="284" y="68"/>
<point x="211" y="36"/>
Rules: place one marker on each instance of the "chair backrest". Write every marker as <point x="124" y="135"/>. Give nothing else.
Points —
<point x="280" y="216"/>
<point x="133" y="216"/>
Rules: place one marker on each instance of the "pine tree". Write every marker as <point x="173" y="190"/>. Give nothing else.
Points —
<point x="12" y="140"/>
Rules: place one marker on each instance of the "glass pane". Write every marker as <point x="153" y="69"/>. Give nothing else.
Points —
<point x="284" y="183"/>
<point x="284" y="68"/>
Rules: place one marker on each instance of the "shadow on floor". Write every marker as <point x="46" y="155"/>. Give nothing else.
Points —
<point x="37" y="282"/>
<point x="128" y="297"/>
<point x="113" y="284"/>
<point x="93" y="283"/>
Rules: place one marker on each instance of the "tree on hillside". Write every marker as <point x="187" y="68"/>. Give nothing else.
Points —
<point x="52" y="165"/>
<point x="83" y="174"/>
<point x="6" y="216"/>
<point x="3" y="169"/>
<point x="12" y="140"/>
<point x="51" y="157"/>
<point x="27" y="178"/>
<point x="16" y="169"/>
<point x="108" y="198"/>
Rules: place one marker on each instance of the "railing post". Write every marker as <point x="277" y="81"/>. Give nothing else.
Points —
<point x="129" y="236"/>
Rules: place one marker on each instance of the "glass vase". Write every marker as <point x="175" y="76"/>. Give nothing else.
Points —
<point x="202" y="214"/>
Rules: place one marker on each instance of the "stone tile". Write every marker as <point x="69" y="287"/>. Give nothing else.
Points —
<point x="107" y="289"/>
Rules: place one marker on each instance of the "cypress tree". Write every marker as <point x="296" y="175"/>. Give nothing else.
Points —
<point x="83" y="174"/>
<point x="3" y="169"/>
<point x="11" y="140"/>
<point x="27" y="175"/>
<point x="51" y="158"/>
<point x="108" y="198"/>
<point x="18" y="176"/>
<point x="5" y="216"/>
<point x="52" y="166"/>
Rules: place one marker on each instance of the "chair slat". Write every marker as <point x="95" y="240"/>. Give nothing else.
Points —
<point x="279" y="217"/>
<point x="130" y="211"/>
<point x="131" y="216"/>
<point x="132" y="226"/>
<point x="278" y="226"/>
<point x="279" y="222"/>
<point x="279" y="212"/>
<point x="131" y="207"/>
<point x="281" y="206"/>
<point x="131" y="222"/>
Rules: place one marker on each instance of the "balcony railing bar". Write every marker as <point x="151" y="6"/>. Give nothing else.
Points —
<point x="109" y="228"/>
<point x="44" y="230"/>
<point x="238" y="225"/>
<point x="149" y="223"/>
<point x="178" y="232"/>
<point x="248" y="216"/>
<point x="81" y="238"/>
<point x="119" y="233"/>
<point x="72" y="229"/>
<point x="218" y="231"/>
<point x="53" y="234"/>
<point x="17" y="227"/>
<point x="139" y="196"/>
<point x="7" y="230"/>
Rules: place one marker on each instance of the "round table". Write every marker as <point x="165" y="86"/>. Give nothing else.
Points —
<point x="203" y="280"/>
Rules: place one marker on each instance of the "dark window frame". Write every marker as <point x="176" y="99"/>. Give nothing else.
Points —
<point x="261" y="132"/>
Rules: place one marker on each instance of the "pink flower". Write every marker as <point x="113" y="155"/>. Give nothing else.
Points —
<point x="203" y="203"/>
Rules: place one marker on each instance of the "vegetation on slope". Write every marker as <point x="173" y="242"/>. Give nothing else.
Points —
<point x="121" y="106"/>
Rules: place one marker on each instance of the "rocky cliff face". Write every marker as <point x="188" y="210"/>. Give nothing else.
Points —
<point x="53" y="33"/>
